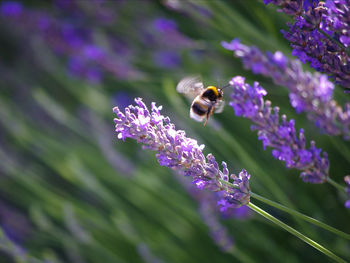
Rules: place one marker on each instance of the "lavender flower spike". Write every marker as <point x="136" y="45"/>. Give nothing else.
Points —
<point x="310" y="93"/>
<point x="217" y="231"/>
<point x="247" y="101"/>
<point x="320" y="35"/>
<point x="178" y="152"/>
<point x="347" y="181"/>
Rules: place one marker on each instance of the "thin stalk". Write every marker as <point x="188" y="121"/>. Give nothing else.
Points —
<point x="300" y="215"/>
<point x="294" y="213"/>
<point x="336" y="185"/>
<point x="296" y="233"/>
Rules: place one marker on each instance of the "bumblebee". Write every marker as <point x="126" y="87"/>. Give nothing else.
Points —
<point x="206" y="100"/>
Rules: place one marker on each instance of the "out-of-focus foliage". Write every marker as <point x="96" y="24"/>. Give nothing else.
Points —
<point x="71" y="192"/>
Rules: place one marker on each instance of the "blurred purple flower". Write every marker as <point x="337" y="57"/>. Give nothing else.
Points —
<point x="10" y="8"/>
<point x="92" y="52"/>
<point x="163" y="34"/>
<point x="75" y="41"/>
<point x="210" y="213"/>
<point x="79" y="68"/>
<point x="242" y="212"/>
<point x="180" y="153"/>
<point x="310" y="93"/>
<point x="167" y="59"/>
<point x="16" y="226"/>
<point x="247" y="101"/>
<point x="347" y="181"/>
<point x="98" y="11"/>
<point x="74" y="37"/>
<point x="218" y="232"/>
<point x="122" y="99"/>
<point x="164" y="25"/>
<point x="67" y="5"/>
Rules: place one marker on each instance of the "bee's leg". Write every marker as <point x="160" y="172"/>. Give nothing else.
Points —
<point x="210" y="112"/>
<point x="206" y="120"/>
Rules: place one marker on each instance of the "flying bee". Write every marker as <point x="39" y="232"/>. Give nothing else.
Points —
<point x="205" y="102"/>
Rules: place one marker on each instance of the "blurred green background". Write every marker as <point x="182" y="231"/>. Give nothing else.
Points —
<point x="71" y="192"/>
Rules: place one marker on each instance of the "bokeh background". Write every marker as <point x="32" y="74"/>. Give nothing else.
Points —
<point x="70" y="191"/>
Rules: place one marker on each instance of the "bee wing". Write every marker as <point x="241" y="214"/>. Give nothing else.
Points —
<point x="191" y="86"/>
<point x="219" y="107"/>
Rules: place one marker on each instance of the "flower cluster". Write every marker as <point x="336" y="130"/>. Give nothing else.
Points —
<point x="217" y="231"/>
<point x="347" y="181"/>
<point x="338" y="20"/>
<point x="310" y="93"/>
<point x="247" y="101"/>
<point x="320" y="35"/>
<point x="180" y="153"/>
<point x="85" y="58"/>
<point x="210" y="214"/>
<point x="163" y="35"/>
<point x="293" y="7"/>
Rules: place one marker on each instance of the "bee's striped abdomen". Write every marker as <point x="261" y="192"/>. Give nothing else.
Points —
<point x="199" y="109"/>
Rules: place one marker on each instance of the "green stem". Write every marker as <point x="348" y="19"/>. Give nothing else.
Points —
<point x="295" y="233"/>
<point x="242" y="257"/>
<point x="336" y="185"/>
<point x="293" y="212"/>
<point x="300" y="215"/>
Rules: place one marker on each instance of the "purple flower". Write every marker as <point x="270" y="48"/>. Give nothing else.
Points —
<point x="164" y="25"/>
<point x="310" y="93"/>
<point x="310" y="4"/>
<point x="167" y="59"/>
<point x="92" y="52"/>
<point x="234" y="200"/>
<point x="163" y="34"/>
<point x="242" y="212"/>
<point x="15" y="250"/>
<point x="347" y="181"/>
<point x="293" y="7"/>
<point x="15" y="225"/>
<point x="279" y="133"/>
<point x="11" y="8"/>
<point x="315" y="35"/>
<point x="75" y="41"/>
<point x="217" y="231"/>
<point x="80" y="68"/>
<point x="178" y="152"/>
<point x="121" y="98"/>
<point x="210" y="214"/>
